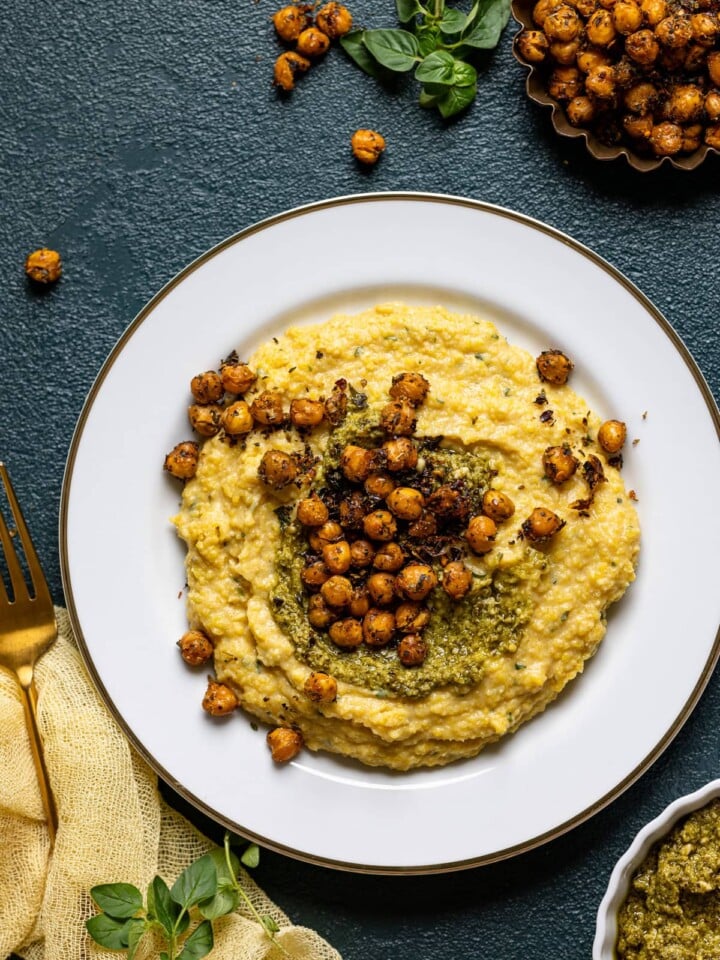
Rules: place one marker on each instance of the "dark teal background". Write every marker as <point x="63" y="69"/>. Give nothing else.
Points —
<point x="133" y="137"/>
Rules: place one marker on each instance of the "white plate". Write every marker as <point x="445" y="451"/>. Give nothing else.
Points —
<point x="123" y="566"/>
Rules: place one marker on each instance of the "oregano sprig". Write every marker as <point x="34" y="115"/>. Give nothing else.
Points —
<point x="182" y="914"/>
<point x="436" y="42"/>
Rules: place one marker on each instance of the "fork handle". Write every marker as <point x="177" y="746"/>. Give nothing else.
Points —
<point x="29" y="699"/>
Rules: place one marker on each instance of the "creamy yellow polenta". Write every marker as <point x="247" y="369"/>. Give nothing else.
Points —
<point x="482" y="399"/>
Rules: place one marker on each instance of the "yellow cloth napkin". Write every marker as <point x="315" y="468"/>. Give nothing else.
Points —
<point x="114" y="826"/>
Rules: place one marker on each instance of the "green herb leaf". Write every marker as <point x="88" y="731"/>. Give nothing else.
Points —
<point x="437" y="67"/>
<point x="428" y="100"/>
<point x="225" y="901"/>
<point x="464" y="74"/>
<point x="395" y="49"/>
<point x="197" y="882"/>
<point x="251" y="857"/>
<point x="118" y="899"/>
<point x="490" y="23"/>
<point x="428" y="39"/>
<point x="164" y="908"/>
<point x="407" y="9"/>
<point x="138" y="928"/>
<point x="199" y="943"/>
<point x="109" y="932"/>
<point x="453" y="21"/>
<point x="456" y="99"/>
<point x="352" y="44"/>
<point x="269" y="924"/>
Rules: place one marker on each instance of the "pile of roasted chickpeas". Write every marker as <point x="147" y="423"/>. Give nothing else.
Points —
<point x="311" y="39"/>
<point x="644" y="73"/>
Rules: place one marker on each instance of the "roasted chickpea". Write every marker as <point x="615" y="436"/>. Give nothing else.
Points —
<point x="695" y="58"/>
<point x="334" y="19"/>
<point x="641" y="98"/>
<point x="352" y="510"/>
<point x="666" y="139"/>
<point x="542" y="9"/>
<point x="639" y="128"/>
<point x="359" y="602"/>
<point x="314" y="575"/>
<point x="480" y="534"/>
<point x="196" y="647"/>
<point x="712" y="104"/>
<point x="685" y="104"/>
<point x="381" y="587"/>
<point x="182" y="461"/>
<point x="412" y="650"/>
<point x="611" y="436"/>
<point x="337" y="556"/>
<point x="290" y="21"/>
<point x="312" y="512"/>
<point x="411" y="617"/>
<point x="367" y="146"/>
<point x="336" y="403"/>
<point x="457" y="579"/>
<point x="380" y="525"/>
<point x="207" y="387"/>
<point x="448" y="503"/>
<point x="424" y="527"/>
<point x="406" y="503"/>
<point x="674" y="31"/>
<point x="600" y="29"/>
<point x="565" y="83"/>
<point x="713" y="64"/>
<point x="600" y="82"/>
<point x="378" y="627"/>
<point x="580" y="111"/>
<point x="219" y="699"/>
<point x="313" y="43"/>
<point x="398" y="418"/>
<point x="285" y="743"/>
<point x="627" y="16"/>
<point x="306" y="414"/>
<point x="712" y="136"/>
<point x="642" y="47"/>
<point x="277" y="469"/>
<point x="236" y="377"/>
<point x="498" y="506"/>
<point x="356" y="463"/>
<point x="237" y="419"/>
<point x="346" y="633"/>
<point x="401" y="454"/>
<point x="554" y="367"/>
<point x="329" y="532"/>
<point x="267" y="408"/>
<point x="288" y="67"/>
<point x="587" y="59"/>
<point x="362" y="554"/>
<point x="43" y="266"/>
<point x="379" y="485"/>
<point x="562" y="24"/>
<point x="389" y="557"/>
<point x="692" y="137"/>
<point x="416" y="581"/>
<point x="412" y="387"/>
<point x="625" y="72"/>
<point x="205" y="419"/>
<point x="704" y="29"/>
<point x="541" y="525"/>
<point x="559" y="463"/>
<point x="533" y="46"/>
<point x="653" y="11"/>
<point x="337" y="591"/>
<point x="320" y="688"/>
<point x="320" y="615"/>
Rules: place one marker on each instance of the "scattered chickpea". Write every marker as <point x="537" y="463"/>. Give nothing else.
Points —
<point x="541" y="525"/>
<point x="379" y="485"/>
<point x="562" y="24"/>
<point x="319" y="613"/>
<point x="43" y="266"/>
<point x="601" y="29"/>
<point x="290" y="21"/>
<point x="401" y="454"/>
<point x="334" y="19"/>
<point x="313" y="43"/>
<point x="398" y="418"/>
<point x="336" y="405"/>
<point x="182" y="461"/>
<point x="205" y="419"/>
<point x="362" y="554"/>
<point x="277" y="469"/>
<point x="666" y="139"/>
<point x="712" y="136"/>
<point x="406" y="503"/>
<point x="480" y="534"/>
<point x="196" y="647"/>
<point x="359" y="602"/>
<point x="412" y="387"/>
<point x="236" y="377"/>
<point x="653" y="11"/>
<point x="533" y="45"/>
<point x="267" y="408"/>
<point x="352" y="510"/>
<point x="412" y="650"/>
<point x="219" y="699"/>
<point x="380" y="525"/>
<point x="367" y="146"/>
<point x="285" y="743"/>
<point x="612" y="435"/>
<point x="411" y="617"/>
<point x="685" y="104"/>
<point x="674" y="31"/>
<point x="497" y="505"/>
<point x="640" y="128"/>
<point x="381" y="587"/>
<point x="378" y="627"/>
<point x="207" y="387"/>
<point x="314" y="575"/>
<point x="237" y="419"/>
<point x="329" y="532"/>
<point x="587" y="59"/>
<point x="554" y="367"/>
<point x="543" y="9"/>
<point x="642" y="47"/>
<point x="627" y="16"/>
<point x="692" y="137"/>
<point x="337" y="591"/>
<point x="305" y="414"/>
<point x="288" y="66"/>
<point x="641" y="98"/>
<point x="565" y="83"/>
<point x="457" y="579"/>
<point x="712" y="104"/>
<point x="600" y="82"/>
<point x="713" y="62"/>
<point x="416" y="581"/>
<point x="347" y="633"/>
<point x="565" y="53"/>
<point x="559" y="463"/>
<point x="356" y="463"/>
<point x="449" y="503"/>
<point x="337" y="556"/>
<point x="704" y="28"/>
<point x="320" y="687"/>
<point x="422" y="528"/>
<point x="389" y="557"/>
<point x="312" y="512"/>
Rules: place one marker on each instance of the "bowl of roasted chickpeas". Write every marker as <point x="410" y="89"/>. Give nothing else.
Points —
<point x="634" y="78"/>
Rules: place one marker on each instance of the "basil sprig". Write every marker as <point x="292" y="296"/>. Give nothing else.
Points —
<point x="182" y="914"/>
<point x="436" y="42"/>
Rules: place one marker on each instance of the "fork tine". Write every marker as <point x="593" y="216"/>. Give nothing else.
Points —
<point x="11" y="559"/>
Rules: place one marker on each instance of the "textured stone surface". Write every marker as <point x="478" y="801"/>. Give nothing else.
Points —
<point x="135" y="136"/>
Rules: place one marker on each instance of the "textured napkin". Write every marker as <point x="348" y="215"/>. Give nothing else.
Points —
<point x="113" y="826"/>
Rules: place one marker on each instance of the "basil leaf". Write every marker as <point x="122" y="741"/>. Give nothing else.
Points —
<point x="437" y="67"/>
<point x="352" y="44"/>
<point x="395" y="49"/>
<point x="164" y="909"/>
<point x="251" y="857"/>
<point x="428" y="39"/>
<point x="427" y="100"/>
<point x="118" y="899"/>
<point x="108" y="931"/>
<point x="485" y="34"/>
<point x="464" y="74"/>
<point x="407" y="9"/>
<point x="137" y="928"/>
<point x="199" y="943"/>
<point x="225" y="901"/>
<point x="197" y="882"/>
<point x="453" y="21"/>
<point x="456" y="99"/>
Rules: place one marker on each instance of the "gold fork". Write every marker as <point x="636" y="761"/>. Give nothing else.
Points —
<point x="27" y="628"/>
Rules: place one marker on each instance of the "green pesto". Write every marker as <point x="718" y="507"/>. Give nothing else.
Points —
<point x="673" y="907"/>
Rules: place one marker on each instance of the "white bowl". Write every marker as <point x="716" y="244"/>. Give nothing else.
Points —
<point x="619" y="884"/>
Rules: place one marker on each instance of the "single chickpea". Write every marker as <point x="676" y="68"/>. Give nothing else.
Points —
<point x="288" y="67"/>
<point x="497" y="505"/>
<point x="352" y="510"/>
<point x="625" y="72"/>
<point x="337" y="556"/>
<point x="43" y="266"/>
<point x="290" y="21"/>
<point x="542" y="9"/>
<point x="639" y="128"/>
<point x="337" y="591"/>
<point x="565" y="83"/>
<point x="412" y="387"/>
<point x="381" y="587"/>
<point x="312" y="512"/>
<point x="559" y="463"/>
<point x="565" y="53"/>
<point x="398" y="418"/>
<point x="285" y="743"/>
<point x="685" y="104"/>
<point x="412" y="650"/>
<point x="329" y="532"/>
<point x="712" y="136"/>
<point x="196" y="647"/>
<point x="666" y="139"/>
<point x="236" y="377"/>
<point x="378" y="627"/>
<point x="587" y="59"/>
<point x="653" y="11"/>
<point x="627" y="16"/>
<point x="562" y="24"/>
<point x="712" y="105"/>
<point x="367" y="146"/>
<point x="347" y="633"/>
<point x="641" y="98"/>
<point x="207" y="387"/>
<point x="219" y="699"/>
<point x="379" y="485"/>
<point x="580" y="111"/>
<point x="411" y="617"/>
<point x="237" y="419"/>
<point x="448" y="503"/>
<point x="406" y="503"/>
<point x="533" y="46"/>
<point x="480" y="534"/>
<point x="424" y="527"/>
<point x="182" y="461"/>
<point x="611" y="436"/>
<point x="554" y="367"/>
<point x="306" y="414"/>
<point x="356" y="463"/>
<point x="320" y="615"/>
<point x="334" y="19"/>
<point x="642" y="47"/>
<point x="416" y="581"/>
<point x="205" y="419"/>
<point x="359" y="602"/>
<point x="277" y="469"/>
<point x="401" y="453"/>
<point x="267" y="408"/>
<point x="362" y="554"/>
<point x="380" y="525"/>
<point x="541" y="525"/>
<point x="389" y="557"/>
<point x="313" y="43"/>
<point x="600" y="82"/>
<point x="320" y="687"/>
<point x="336" y="403"/>
<point x="674" y="31"/>
<point x="314" y="575"/>
<point x="692" y="137"/>
<point x="704" y="29"/>
<point x="713" y="64"/>
<point x="457" y="579"/>
<point x="600" y="29"/>
<point x="586" y="8"/>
